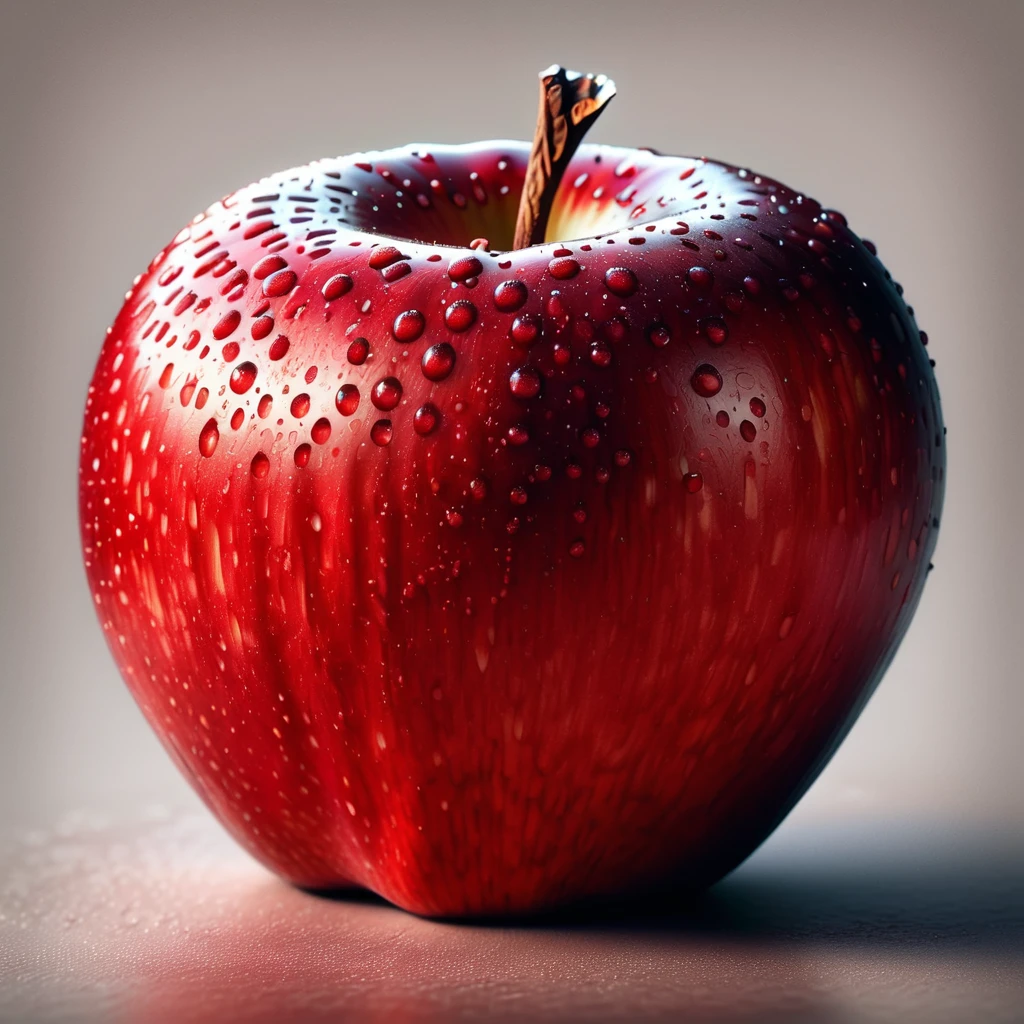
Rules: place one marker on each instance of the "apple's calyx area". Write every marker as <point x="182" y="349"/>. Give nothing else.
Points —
<point x="492" y="578"/>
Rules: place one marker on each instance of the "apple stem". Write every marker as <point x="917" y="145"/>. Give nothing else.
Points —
<point x="569" y="105"/>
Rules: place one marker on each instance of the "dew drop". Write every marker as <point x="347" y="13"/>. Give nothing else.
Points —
<point x="700" y="278"/>
<point x="464" y="267"/>
<point x="302" y="454"/>
<point x="601" y="354"/>
<point x="380" y="432"/>
<point x="525" y="382"/>
<point x="165" y="377"/>
<point x="715" y="330"/>
<point x="747" y="430"/>
<point x="460" y="315"/>
<point x="620" y="281"/>
<point x="408" y="326"/>
<point x="321" y="430"/>
<point x="577" y="549"/>
<point x="426" y="419"/>
<point x="722" y="418"/>
<point x="267" y="266"/>
<point x="208" y="438"/>
<point x="226" y="324"/>
<point x="279" y="283"/>
<point x="525" y="330"/>
<point x="265" y="405"/>
<point x="706" y="380"/>
<point x="243" y="376"/>
<point x="347" y="399"/>
<point x="278" y="348"/>
<point x="757" y="407"/>
<point x="261" y="327"/>
<point x="300" y="405"/>
<point x="693" y="482"/>
<point x="335" y="287"/>
<point x="260" y="466"/>
<point x="659" y="335"/>
<point x="518" y="434"/>
<point x="386" y="393"/>
<point x="358" y="351"/>
<point x="563" y="268"/>
<point x="438" y="361"/>
<point x="510" y="296"/>
<point x="383" y="256"/>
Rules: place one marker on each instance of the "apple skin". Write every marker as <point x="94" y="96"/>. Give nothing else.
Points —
<point x="602" y="625"/>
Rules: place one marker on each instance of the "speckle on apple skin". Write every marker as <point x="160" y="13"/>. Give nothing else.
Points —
<point x="492" y="579"/>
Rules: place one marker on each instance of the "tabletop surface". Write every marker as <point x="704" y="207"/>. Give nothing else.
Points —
<point x="164" y="919"/>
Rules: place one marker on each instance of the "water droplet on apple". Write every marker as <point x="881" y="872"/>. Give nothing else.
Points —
<point x="337" y="286"/>
<point x="278" y="348"/>
<point x="700" y="278"/>
<point x="302" y="454"/>
<point x="260" y="466"/>
<point x="601" y="354"/>
<point x="510" y="296"/>
<point x="525" y="382"/>
<point x="715" y="330"/>
<point x="383" y="256"/>
<point x="747" y="430"/>
<point x="321" y="430"/>
<point x="208" y="438"/>
<point x="722" y="418"/>
<point x="577" y="549"/>
<point x="518" y="434"/>
<point x="757" y="407"/>
<point x="261" y="327"/>
<point x="706" y="380"/>
<point x="659" y="335"/>
<point x="408" y="326"/>
<point x="460" y="315"/>
<point x="226" y="324"/>
<point x="267" y="266"/>
<point x="279" y="283"/>
<point x="563" y="268"/>
<point x="620" y="281"/>
<point x="264" y="407"/>
<point x="525" y="330"/>
<point x="358" y="351"/>
<point x="426" y="419"/>
<point x="243" y="376"/>
<point x="693" y="482"/>
<point x="438" y="361"/>
<point x="386" y="393"/>
<point x="464" y="267"/>
<point x="347" y="399"/>
<point x="380" y="432"/>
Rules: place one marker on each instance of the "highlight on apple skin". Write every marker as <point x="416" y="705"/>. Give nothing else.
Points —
<point x="494" y="578"/>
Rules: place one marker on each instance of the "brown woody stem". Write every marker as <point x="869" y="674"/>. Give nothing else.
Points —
<point x="569" y="105"/>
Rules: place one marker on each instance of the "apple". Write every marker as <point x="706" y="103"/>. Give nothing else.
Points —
<point x="499" y="525"/>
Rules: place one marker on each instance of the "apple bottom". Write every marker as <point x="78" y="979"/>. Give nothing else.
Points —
<point x="540" y="752"/>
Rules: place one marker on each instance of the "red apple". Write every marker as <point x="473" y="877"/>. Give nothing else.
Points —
<point x="491" y="578"/>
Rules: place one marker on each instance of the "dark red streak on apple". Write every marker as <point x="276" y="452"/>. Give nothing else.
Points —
<point x="489" y="612"/>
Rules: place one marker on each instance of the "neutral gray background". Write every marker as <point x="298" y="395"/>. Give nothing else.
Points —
<point x="120" y="120"/>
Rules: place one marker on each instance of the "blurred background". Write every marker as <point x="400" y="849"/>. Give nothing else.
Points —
<point x="120" y="120"/>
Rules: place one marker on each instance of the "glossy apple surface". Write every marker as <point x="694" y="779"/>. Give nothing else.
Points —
<point x="491" y="580"/>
